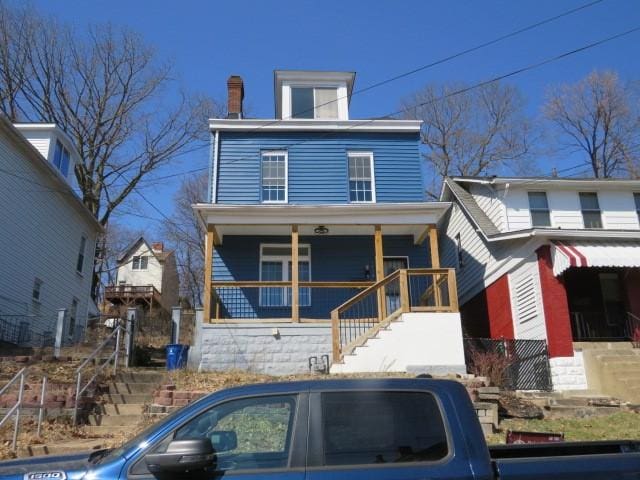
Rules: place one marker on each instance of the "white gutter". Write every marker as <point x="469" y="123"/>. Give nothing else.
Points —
<point x="314" y="124"/>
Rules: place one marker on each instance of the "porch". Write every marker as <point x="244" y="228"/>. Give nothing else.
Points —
<point x="330" y="275"/>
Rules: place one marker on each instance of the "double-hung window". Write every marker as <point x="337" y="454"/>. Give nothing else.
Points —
<point x="361" y="177"/>
<point x="539" y="208"/>
<point x="591" y="215"/>
<point x="140" y="262"/>
<point x="636" y="198"/>
<point x="275" y="266"/>
<point x="80" y="260"/>
<point x="314" y="102"/>
<point x="274" y="177"/>
<point x="61" y="158"/>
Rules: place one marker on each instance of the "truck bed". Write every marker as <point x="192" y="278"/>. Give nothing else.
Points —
<point x="571" y="460"/>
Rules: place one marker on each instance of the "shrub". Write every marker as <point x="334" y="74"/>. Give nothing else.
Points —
<point x="491" y="364"/>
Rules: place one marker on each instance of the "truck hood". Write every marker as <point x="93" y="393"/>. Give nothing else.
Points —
<point x="70" y="467"/>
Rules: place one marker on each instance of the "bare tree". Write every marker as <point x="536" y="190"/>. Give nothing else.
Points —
<point x="470" y="131"/>
<point x="186" y="234"/>
<point x="598" y="116"/>
<point x="109" y="91"/>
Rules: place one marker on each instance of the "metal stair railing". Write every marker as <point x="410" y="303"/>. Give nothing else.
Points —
<point x="16" y="409"/>
<point x="80" y="388"/>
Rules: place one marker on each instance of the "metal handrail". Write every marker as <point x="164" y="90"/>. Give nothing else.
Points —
<point x="16" y="409"/>
<point x="114" y="356"/>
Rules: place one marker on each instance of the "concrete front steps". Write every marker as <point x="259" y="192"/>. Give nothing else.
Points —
<point x="127" y="400"/>
<point x="413" y="342"/>
<point x="574" y="404"/>
<point x="613" y="368"/>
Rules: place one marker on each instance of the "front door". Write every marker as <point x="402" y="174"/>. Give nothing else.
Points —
<point x="392" y="292"/>
<point x="614" y="307"/>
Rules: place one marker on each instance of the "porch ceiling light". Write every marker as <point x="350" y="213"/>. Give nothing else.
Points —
<point x="321" y="230"/>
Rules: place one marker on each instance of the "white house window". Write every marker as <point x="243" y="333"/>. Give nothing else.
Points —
<point x="73" y="314"/>
<point x="140" y="262"/>
<point x="636" y="198"/>
<point x="61" y="158"/>
<point x="314" y="102"/>
<point x="274" y="177"/>
<point x="37" y="289"/>
<point x="361" y="178"/>
<point x="539" y="208"/>
<point x="590" y="207"/>
<point x="275" y="266"/>
<point x="80" y="261"/>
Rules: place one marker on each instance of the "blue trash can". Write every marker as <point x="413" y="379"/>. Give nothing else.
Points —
<point x="177" y="356"/>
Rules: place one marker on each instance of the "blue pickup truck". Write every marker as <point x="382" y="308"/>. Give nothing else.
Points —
<point x="392" y="429"/>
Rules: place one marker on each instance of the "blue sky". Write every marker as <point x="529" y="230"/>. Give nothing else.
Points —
<point x="209" y="40"/>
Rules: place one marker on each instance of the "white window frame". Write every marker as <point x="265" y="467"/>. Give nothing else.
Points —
<point x="341" y="88"/>
<point x="284" y="259"/>
<point x="636" y="204"/>
<point x="531" y="210"/>
<point x="140" y="257"/>
<point x="286" y="174"/>
<point x="373" y="175"/>
<point x="602" y="225"/>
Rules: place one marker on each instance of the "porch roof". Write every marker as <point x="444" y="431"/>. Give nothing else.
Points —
<point x="594" y="254"/>
<point x="349" y="219"/>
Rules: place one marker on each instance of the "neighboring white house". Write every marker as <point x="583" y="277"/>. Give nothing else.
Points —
<point x="147" y="275"/>
<point x="546" y="258"/>
<point x="47" y="236"/>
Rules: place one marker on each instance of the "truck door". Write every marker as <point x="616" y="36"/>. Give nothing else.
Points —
<point x="260" y="437"/>
<point x="378" y="435"/>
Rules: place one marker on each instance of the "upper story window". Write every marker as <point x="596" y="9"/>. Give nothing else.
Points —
<point x="361" y="177"/>
<point x="314" y="102"/>
<point x="636" y="198"/>
<point x="140" y="262"/>
<point x="274" y="177"/>
<point x="591" y="215"/>
<point x="61" y="158"/>
<point x="539" y="208"/>
<point x="80" y="261"/>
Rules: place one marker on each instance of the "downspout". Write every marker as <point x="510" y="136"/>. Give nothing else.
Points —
<point x="213" y="170"/>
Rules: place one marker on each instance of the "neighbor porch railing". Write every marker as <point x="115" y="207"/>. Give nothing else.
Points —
<point x="403" y="291"/>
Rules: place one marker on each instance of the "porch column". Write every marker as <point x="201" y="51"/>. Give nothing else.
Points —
<point x="295" y="292"/>
<point x="208" y="270"/>
<point x="382" y="307"/>
<point x="435" y="263"/>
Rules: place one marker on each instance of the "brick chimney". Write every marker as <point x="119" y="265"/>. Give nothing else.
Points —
<point x="157" y="246"/>
<point x="235" y="93"/>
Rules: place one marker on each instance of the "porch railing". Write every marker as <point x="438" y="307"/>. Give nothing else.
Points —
<point x="403" y="291"/>
<point x="593" y="326"/>
<point x="253" y="300"/>
<point x="118" y="291"/>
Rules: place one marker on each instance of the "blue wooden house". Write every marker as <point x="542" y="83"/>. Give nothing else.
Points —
<point x="308" y="213"/>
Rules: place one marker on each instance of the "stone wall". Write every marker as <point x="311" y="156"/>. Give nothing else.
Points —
<point x="568" y="373"/>
<point x="271" y="348"/>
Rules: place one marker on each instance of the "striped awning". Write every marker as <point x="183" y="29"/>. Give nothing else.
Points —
<point x="594" y="254"/>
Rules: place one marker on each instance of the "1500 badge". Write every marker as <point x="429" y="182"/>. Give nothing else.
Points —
<point x="45" y="476"/>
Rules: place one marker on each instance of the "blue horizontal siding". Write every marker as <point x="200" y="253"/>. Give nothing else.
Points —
<point x="333" y="258"/>
<point x="318" y="170"/>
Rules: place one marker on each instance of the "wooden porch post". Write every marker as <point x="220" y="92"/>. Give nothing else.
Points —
<point x="295" y="292"/>
<point x="435" y="262"/>
<point x="382" y="306"/>
<point x="208" y="271"/>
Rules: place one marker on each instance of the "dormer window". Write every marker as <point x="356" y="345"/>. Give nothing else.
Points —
<point x="61" y="158"/>
<point x="312" y="95"/>
<point x="310" y="102"/>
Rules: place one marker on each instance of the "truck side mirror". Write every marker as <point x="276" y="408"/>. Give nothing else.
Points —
<point x="182" y="456"/>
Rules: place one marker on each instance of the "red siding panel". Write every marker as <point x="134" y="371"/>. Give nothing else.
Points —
<point x="556" y="307"/>
<point x="499" y="309"/>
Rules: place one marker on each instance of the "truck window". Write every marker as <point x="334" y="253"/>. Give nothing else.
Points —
<point x="249" y="433"/>
<point x="382" y="427"/>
